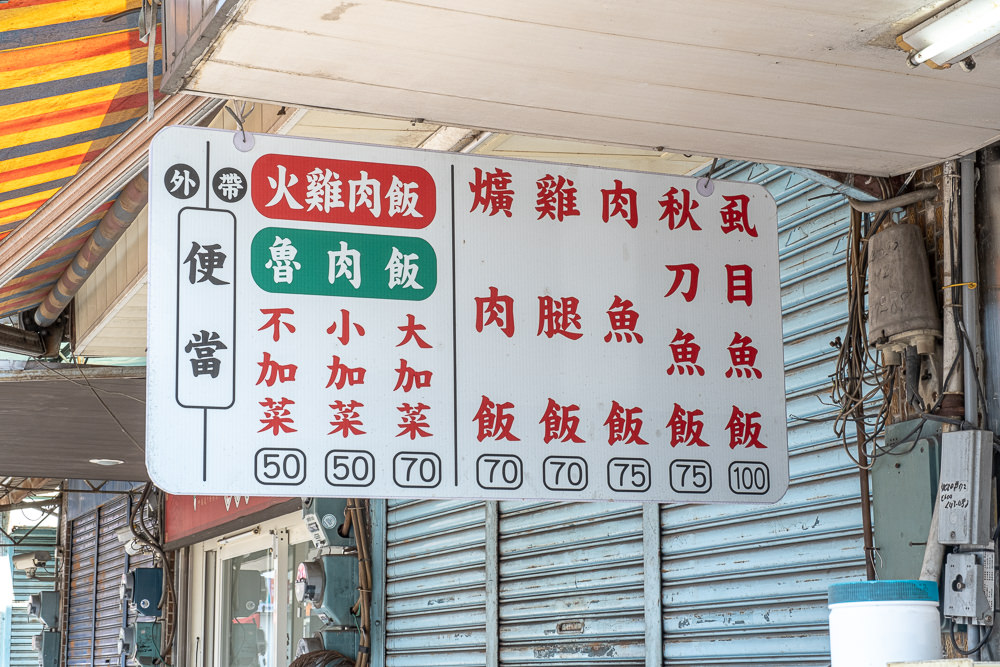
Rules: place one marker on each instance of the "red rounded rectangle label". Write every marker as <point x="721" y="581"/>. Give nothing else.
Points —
<point x="296" y="187"/>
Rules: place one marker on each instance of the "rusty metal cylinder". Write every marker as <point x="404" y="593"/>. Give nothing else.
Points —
<point x="902" y="310"/>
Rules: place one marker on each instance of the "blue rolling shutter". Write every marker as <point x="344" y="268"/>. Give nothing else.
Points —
<point x="745" y="585"/>
<point x="435" y="584"/>
<point x="588" y="584"/>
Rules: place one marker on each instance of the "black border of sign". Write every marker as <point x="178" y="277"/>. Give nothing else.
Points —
<point x="670" y="477"/>
<point x="305" y="460"/>
<point x="649" y="475"/>
<point x="586" y="472"/>
<point x="326" y="466"/>
<point x="417" y="486"/>
<point x="767" y="469"/>
<point x="520" y="481"/>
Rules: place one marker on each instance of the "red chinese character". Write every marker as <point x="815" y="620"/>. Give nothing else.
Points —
<point x="556" y="198"/>
<point x="271" y="371"/>
<point x="559" y="423"/>
<point x="492" y="191"/>
<point x="341" y="374"/>
<point x="685" y="427"/>
<point x="495" y="309"/>
<point x="743" y="356"/>
<point x="414" y="421"/>
<point x="623" y="426"/>
<point x="494" y="421"/>
<point x="407" y="377"/>
<point x="410" y="331"/>
<point x="680" y="271"/>
<point x="275" y="322"/>
<point x="620" y="201"/>
<point x="734" y="216"/>
<point x="276" y="416"/>
<point x="678" y="212"/>
<point x="685" y="352"/>
<point x="346" y="420"/>
<point x="557" y="317"/>
<point x="345" y="327"/>
<point x="744" y="430"/>
<point x="623" y="320"/>
<point x="739" y="283"/>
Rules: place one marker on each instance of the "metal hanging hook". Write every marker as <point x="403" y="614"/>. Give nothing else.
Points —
<point x="705" y="185"/>
<point x="241" y="141"/>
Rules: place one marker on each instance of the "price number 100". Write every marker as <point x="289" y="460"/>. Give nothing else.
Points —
<point x="749" y="477"/>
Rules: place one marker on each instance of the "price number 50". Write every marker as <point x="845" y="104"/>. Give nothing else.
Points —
<point x="277" y="466"/>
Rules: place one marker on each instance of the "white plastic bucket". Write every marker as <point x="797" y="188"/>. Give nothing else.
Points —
<point x="876" y="622"/>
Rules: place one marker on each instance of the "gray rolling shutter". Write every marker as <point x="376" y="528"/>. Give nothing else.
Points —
<point x="575" y="582"/>
<point x="436" y="583"/>
<point x="745" y="585"/>
<point x="82" y="594"/>
<point x="97" y="561"/>
<point x="571" y="584"/>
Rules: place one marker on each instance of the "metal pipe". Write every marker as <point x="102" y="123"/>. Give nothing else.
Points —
<point x="183" y="576"/>
<point x="930" y="568"/>
<point x="950" y="340"/>
<point x="866" y="507"/>
<point x="114" y="223"/>
<point x="906" y="199"/>
<point x="970" y="274"/>
<point x="989" y="283"/>
<point x="21" y="341"/>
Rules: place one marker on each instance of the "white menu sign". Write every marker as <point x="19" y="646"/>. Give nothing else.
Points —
<point x="348" y="320"/>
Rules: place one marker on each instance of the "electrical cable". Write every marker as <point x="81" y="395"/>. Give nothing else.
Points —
<point x="145" y="535"/>
<point x="954" y="644"/>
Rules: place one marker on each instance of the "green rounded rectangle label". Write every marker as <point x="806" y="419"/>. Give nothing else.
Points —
<point x="367" y="266"/>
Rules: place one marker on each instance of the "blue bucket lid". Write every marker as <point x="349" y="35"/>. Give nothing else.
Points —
<point x="899" y="590"/>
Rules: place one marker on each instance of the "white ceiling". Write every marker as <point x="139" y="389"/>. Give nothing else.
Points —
<point x="811" y="84"/>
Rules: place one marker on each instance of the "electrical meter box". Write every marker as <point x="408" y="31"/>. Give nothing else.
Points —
<point x="344" y="642"/>
<point x="45" y="607"/>
<point x="143" y="587"/>
<point x="141" y="642"/>
<point x="330" y="583"/>
<point x="969" y="586"/>
<point x="964" y="491"/>
<point x="47" y="645"/>
<point x="323" y="516"/>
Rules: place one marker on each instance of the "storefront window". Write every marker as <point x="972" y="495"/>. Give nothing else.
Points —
<point x="248" y="610"/>
<point x="243" y="611"/>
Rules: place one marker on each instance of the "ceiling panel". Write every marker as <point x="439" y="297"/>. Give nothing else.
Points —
<point x="808" y="84"/>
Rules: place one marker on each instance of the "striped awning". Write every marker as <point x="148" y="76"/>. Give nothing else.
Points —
<point x="73" y="78"/>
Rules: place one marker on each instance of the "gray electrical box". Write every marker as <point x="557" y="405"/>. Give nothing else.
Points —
<point x="323" y="516"/>
<point x="45" y="607"/>
<point x="904" y="488"/>
<point x="968" y="587"/>
<point x="47" y="645"/>
<point x="964" y="491"/>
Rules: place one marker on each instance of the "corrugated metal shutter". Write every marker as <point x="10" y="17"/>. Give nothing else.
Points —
<point x="79" y="622"/>
<point x="97" y="561"/>
<point x="24" y="628"/>
<point x="571" y="584"/>
<point x="574" y="582"/>
<point x="748" y="586"/>
<point x="111" y="565"/>
<point x="435" y="583"/>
